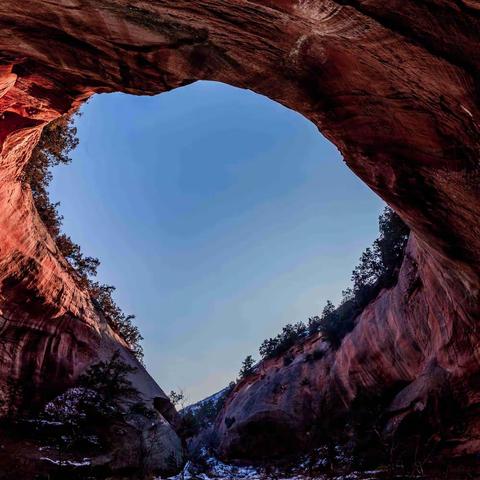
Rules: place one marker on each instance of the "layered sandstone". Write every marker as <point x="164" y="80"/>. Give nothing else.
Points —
<point x="404" y="346"/>
<point x="394" y="84"/>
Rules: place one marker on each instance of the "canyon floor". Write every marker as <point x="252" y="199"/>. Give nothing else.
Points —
<point x="218" y="470"/>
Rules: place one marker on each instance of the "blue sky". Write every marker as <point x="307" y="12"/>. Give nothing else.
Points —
<point x="219" y="215"/>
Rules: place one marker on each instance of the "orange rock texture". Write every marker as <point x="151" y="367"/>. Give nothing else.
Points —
<point x="394" y="84"/>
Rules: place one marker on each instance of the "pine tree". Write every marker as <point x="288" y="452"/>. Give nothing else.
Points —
<point x="110" y="380"/>
<point x="247" y="367"/>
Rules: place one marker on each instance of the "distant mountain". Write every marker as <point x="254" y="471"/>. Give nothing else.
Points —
<point x="213" y="401"/>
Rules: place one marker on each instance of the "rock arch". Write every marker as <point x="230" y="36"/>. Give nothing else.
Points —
<point x="393" y="84"/>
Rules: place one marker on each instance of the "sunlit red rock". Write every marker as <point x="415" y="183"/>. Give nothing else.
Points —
<point x="393" y="84"/>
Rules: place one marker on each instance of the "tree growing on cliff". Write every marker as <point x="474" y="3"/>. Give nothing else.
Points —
<point x="247" y="367"/>
<point x="378" y="268"/>
<point x="329" y="325"/>
<point x="56" y="143"/>
<point x="379" y="265"/>
<point x="121" y="323"/>
<point x="58" y="140"/>
<point x="288" y="337"/>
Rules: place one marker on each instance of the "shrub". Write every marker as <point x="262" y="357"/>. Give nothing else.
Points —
<point x="201" y="415"/>
<point x="379" y="264"/>
<point x="247" y="367"/>
<point x="109" y="380"/>
<point x="313" y="324"/>
<point x="330" y="325"/>
<point x="71" y="406"/>
<point x="289" y="336"/>
<point x="177" y="398"/>
<point x="70" y="419"/>
<point x="139" y="408"/>
<point x="190" y="425"/>
<point x="102" y="395"/>
<point x="58" y="139"/>
<point x="196" y="418"/>
<point x="120" y="323"/>
<point x="378" y="268"/>
<point x="85" y="267"/>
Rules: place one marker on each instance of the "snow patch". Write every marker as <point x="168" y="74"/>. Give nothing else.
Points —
<point x="68" y="463"/>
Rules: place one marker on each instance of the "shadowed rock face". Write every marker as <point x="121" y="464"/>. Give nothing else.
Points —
<point x="394" y="84"/>
<point x="407" y="347"/>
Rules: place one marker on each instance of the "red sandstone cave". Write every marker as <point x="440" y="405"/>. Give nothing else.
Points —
<point x="394" y="84"/>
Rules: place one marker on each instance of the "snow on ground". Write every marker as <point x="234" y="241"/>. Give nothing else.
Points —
<point x="217" y="470"/>
<point x="68" y="463"/>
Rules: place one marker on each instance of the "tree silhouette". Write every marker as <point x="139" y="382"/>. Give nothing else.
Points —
<point x="247" y="367"/>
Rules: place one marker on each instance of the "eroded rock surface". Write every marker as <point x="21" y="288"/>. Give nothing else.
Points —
<point x="405" y="346"/>
<point x="394" y="84"/>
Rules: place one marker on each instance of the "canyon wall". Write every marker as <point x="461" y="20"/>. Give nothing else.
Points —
<point x="407" y="363"/>
<point x="394" y="84"/>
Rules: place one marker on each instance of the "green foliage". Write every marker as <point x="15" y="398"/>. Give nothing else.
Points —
<point x="378" y="268"/>
<point x="104" y="394"/>
<point x="331" y="324"/>
<point x="110" y="380"/>
<point x="289" y="336"/>
<point x="58" y="140"/>
<point x="247" y="367"/>
<point x="189" y="425"/>
<point x="85" y="267"/>
<point x="196" y="418"/>
<point x="121" y="323"/>
<point x="379" y="264"/>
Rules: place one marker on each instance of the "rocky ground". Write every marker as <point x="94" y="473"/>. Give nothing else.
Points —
<point x="31" y="459"/>
<point x="217" y="470"/>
